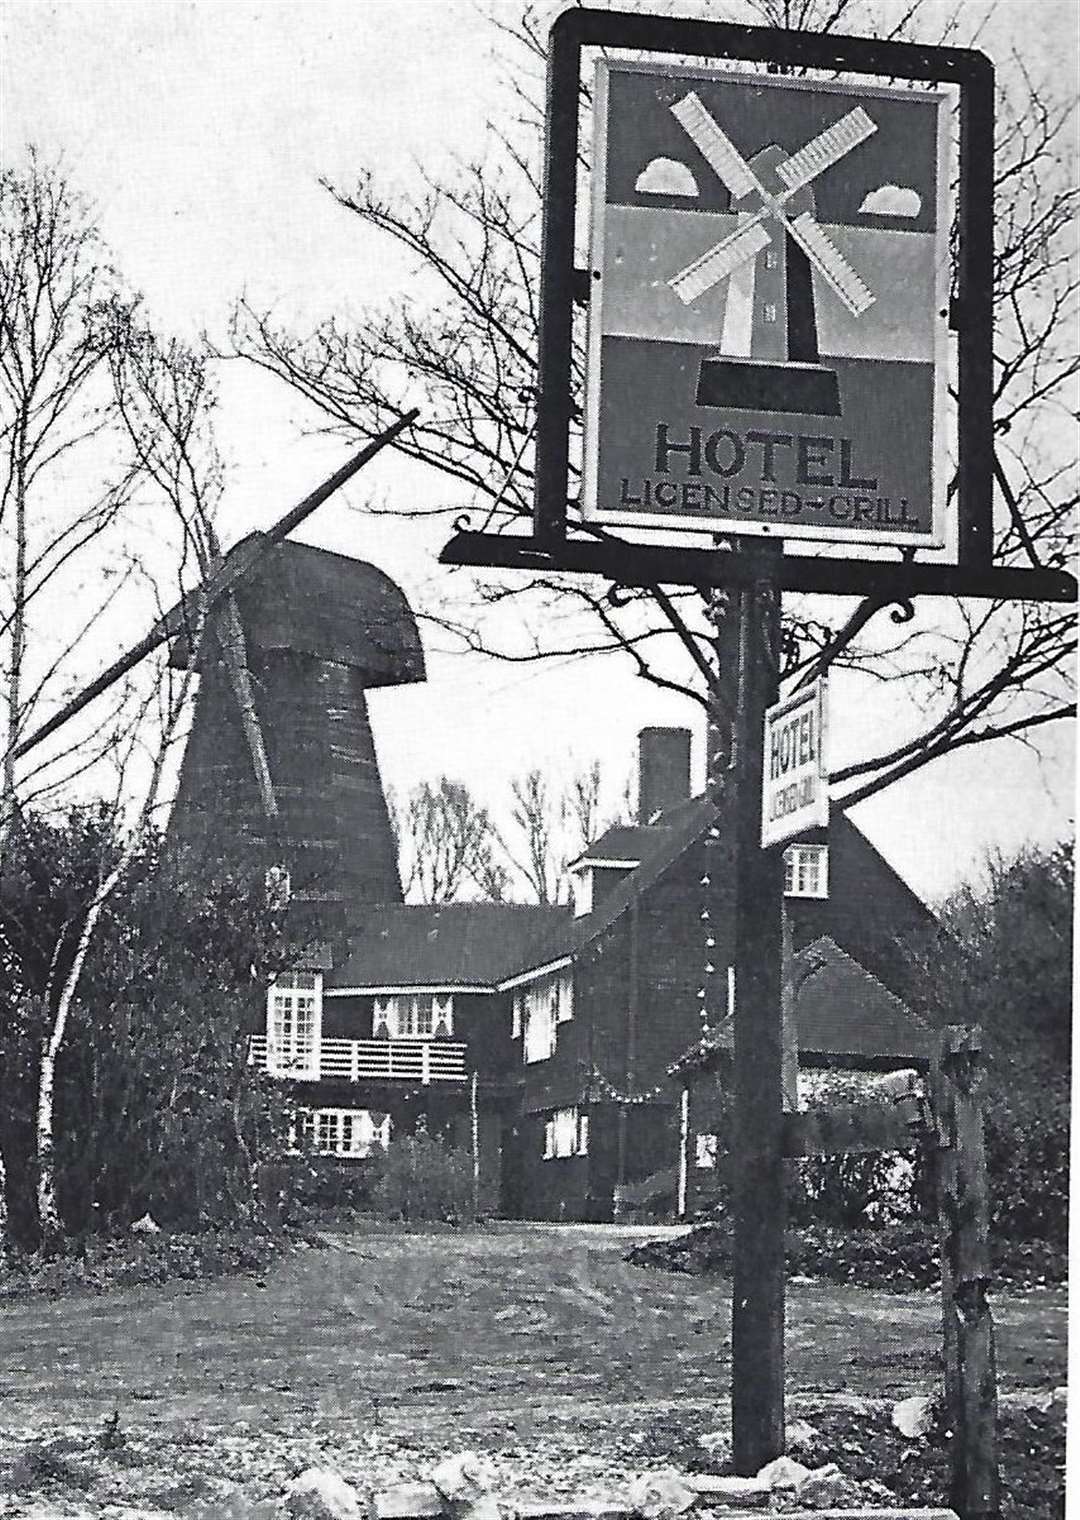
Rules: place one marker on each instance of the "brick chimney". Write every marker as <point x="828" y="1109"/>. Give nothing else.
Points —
<point x="663" y="769"/>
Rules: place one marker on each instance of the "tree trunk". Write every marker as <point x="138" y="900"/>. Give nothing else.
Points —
<point x="49" y="1221"/>
<point x="18" y="650"/>
<point x="4" y="1222"/>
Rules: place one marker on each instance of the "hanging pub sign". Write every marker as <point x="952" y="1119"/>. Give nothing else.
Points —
<point x="794" y="775"/>
<point x="768" y="306"/>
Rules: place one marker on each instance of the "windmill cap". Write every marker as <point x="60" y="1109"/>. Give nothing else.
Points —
<point x="329" y="606"/>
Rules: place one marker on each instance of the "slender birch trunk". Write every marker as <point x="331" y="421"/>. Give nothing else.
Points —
<point x="14" y="724"/>
<point x="49" y="1221"/>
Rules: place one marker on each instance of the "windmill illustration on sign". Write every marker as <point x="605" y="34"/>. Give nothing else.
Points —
<point x="769" y="355"/>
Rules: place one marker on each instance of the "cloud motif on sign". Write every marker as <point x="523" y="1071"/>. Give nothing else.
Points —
<point x="892" y="200"/>
<point x="666" y="176"/>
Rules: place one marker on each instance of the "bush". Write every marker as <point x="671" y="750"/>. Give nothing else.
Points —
<point x="317" y="1185"/>
<point x="420" y="1178"/>
<point x="1027" y="1156"/>
<point x="896" y="1257"/>
<point x="97" y="1263"/>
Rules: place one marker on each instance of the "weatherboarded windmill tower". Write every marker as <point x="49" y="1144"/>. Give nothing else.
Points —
<point x="280" y="762"/>
<point x="281" y="750"/>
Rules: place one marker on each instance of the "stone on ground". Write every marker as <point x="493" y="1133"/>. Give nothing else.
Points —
<point x="319" y="1493"/>
<point x="783" y="1472"/>
<point x="660" y="1495"/>
<point x="913" y="1417"/>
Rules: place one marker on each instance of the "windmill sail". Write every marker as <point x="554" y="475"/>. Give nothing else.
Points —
<point x="821" y="152"/>
<point x="715" y="146"/>
<point x="831" y="264"/>
<point x="719" y="261"/>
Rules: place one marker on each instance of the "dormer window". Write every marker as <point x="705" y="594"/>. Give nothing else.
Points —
<point x="583" y="891"/>
<point x="806" y="870"/>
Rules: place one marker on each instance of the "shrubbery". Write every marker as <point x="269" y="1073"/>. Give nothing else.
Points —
<point x="896" y="1258"/>
<point x="1027" y="1155"/>
<point x="95" y="1264"/>
<point x="421" y="1178"/>
<point x="317" y="1185"/>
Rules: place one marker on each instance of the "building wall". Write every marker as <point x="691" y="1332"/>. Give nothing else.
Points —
<point x="869" y="912"/>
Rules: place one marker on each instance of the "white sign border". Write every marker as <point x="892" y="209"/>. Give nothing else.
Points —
<point x="824" y="533"/>
<point x="818" y="692"/>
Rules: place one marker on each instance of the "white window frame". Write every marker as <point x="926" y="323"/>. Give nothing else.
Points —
<point x="415" y="1015"/>
<point x="294" y="1024"/>
<point x="547" y="1002"/>
<point x="349" y="1132"/>
<point x="564" y="996"/>
<point x="583" y="891"/>
<point x="566" y="1134"/>
<point x="806" y="870"/>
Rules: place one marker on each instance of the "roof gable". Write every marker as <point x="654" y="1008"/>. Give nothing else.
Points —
<point x="842" y="1012"/>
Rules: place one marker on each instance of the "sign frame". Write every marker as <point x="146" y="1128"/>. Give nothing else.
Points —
<point x="772" y="524"/>
<point x="549" y="547"/>
<point x="814" y="696"/>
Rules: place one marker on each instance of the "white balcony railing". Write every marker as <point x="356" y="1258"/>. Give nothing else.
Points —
<point x="423" y="1061"/>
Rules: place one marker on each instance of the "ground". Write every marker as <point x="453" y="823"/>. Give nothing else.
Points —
<point x="537" y="1344"/>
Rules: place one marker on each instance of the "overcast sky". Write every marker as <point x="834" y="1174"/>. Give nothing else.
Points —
<point x="199" y="130"/>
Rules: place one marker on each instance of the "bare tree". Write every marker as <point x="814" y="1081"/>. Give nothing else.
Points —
<point x="537" y="817"/>
<point x="465" y="334"/>
<point x="550" y="826"/>
<point x="162" y="402"/>
<point x="451" y="847"/>
<point x="447" y="844"/>
<point x="61" y="489"/>
<point x="61" y="998"/>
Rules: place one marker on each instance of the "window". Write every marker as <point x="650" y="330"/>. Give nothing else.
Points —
<point x="566" y="1133"/>
<point x="516" y="1014"/>
<point x="546" y="1002"/>
<point x="583" y="892"/>
<point x="705" y="1151"/>
<point x="806" y="870"/>
<point x="344" y="1131"/>
<point x="293" y="1022"/>
<point x="414" y="1016"/>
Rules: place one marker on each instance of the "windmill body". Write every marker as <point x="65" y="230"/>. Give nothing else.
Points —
<point x="319" y="630"/>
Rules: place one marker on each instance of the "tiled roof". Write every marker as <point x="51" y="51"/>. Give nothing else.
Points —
<point x="443" y="945"/>
<point x="841" y="1010"/>
<point x="625" y="841"/>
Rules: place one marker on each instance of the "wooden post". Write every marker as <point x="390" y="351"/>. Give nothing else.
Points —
<point x="474" y="1116"/>
<point x="684" y="1151"/>
<point x="789" y="1027"/>
<point x="757" y="1310"/>
<point x="968" y="1324"/>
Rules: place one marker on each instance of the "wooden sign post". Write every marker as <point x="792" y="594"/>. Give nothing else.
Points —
<point x="757" y="1303"/>
<point x="963" y="1222"/>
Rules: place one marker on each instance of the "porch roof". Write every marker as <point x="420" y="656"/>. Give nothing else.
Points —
<point x="841" y="1011"/>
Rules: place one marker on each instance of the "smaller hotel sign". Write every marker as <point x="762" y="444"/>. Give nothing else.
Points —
<point x="794" y="781"/>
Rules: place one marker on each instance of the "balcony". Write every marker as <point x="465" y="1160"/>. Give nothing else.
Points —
<point x="423" y="1061"/>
